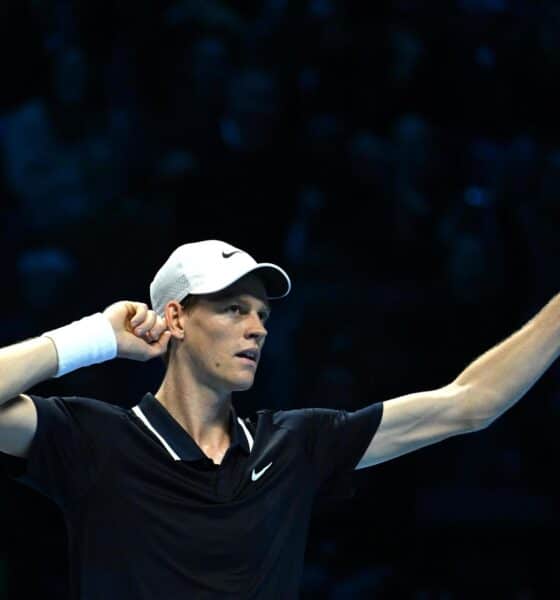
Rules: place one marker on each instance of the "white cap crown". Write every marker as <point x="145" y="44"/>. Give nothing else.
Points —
<point x="210" y="266"/>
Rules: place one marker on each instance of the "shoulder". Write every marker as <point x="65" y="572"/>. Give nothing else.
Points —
<point x="327" y="422"/>
<point x="77" y="408"/>
<point x="299" y="418"/>
<point x="80" y="403"/>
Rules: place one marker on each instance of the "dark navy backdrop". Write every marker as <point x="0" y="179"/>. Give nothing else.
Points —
<point x="401" y="162"/>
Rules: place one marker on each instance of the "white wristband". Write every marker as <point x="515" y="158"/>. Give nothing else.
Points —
<point x="82" y="343"/>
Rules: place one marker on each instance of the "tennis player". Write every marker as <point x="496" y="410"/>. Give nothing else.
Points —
<point x="178" y="497"/>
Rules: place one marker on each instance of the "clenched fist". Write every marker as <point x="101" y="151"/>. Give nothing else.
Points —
<point x="141" y="333"/>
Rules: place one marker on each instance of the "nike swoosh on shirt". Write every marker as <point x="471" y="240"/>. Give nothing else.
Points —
<point x="255" y="475"/>
<point x="228" y="254"/>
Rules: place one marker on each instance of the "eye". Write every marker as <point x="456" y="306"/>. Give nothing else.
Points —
<point x="264" y="316"/>
<point x="234" y="308"/>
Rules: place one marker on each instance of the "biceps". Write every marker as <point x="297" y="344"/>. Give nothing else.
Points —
<point x="416" y="420"/>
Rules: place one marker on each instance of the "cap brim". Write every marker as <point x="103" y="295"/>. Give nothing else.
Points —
<point x="276" y="281"/>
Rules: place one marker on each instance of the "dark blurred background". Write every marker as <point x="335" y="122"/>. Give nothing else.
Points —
<point x="400" y="159"/>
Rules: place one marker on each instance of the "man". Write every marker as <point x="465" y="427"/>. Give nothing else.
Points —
<point x="178" y="497"/>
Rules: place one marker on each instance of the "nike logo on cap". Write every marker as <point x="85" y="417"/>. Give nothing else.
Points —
<point x="255" y="475"/>
<point x="228" y="254"/>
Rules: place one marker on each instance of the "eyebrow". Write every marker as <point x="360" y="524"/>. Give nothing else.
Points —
<point x="227" y="297"/>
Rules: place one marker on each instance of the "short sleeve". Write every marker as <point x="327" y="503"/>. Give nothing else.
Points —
<point x="67" y="451"/>
<point x="339" y="440"/>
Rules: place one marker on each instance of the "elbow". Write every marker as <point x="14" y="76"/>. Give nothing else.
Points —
<point x="474" y="422"/>
<point x="475" y="408"/>
<point x="479" y="423"/>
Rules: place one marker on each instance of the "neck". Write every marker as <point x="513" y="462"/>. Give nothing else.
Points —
<point x="201" y="411"/>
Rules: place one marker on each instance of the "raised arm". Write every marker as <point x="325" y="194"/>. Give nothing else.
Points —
<point x="139" y="334"/>
<point x="480" y="394"/>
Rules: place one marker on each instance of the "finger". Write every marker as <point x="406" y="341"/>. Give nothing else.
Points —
<point x="141" y="310"/>
<point x="159" y="327"/>
<point x="149" y="321"/>
<point x="160" y="346"/>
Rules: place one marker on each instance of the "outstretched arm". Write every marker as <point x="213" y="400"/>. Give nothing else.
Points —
<point x="480" y="394"/>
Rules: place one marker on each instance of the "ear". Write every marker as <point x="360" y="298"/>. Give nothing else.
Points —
<point x="174" y="317"/>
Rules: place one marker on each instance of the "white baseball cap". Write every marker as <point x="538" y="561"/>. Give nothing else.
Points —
<point x="210" y="266"/>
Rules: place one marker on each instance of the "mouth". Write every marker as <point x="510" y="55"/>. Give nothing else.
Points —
<point x="248" y="361"/>
<point x="250" y="356"/>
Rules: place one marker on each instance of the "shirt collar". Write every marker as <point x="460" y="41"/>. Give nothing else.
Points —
<point x="177" y="440"/>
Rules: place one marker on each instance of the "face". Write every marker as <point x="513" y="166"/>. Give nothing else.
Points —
<point x="224" y="334"/>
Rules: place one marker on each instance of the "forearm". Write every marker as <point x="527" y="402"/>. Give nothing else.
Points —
<point x="90" y="340"/>
<point x="500" y="377"/>
<point x="24" y="365"/>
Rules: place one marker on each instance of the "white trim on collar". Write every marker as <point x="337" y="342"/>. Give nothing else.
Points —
<point x="247" y="434"/>
<point x="138" y="412"/>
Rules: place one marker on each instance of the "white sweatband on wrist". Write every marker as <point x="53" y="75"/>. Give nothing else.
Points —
<point x="85" y="342"/>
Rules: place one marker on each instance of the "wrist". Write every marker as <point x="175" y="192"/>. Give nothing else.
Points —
<point x="82" y="343"/>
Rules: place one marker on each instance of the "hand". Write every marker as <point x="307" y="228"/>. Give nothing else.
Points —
<point x="141" y="333"/>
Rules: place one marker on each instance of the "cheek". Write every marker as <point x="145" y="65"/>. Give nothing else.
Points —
<point x="214" y="344"/>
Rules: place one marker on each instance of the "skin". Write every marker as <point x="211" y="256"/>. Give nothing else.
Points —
<point x="204" y="370"/>
<point x="199" y="393"/>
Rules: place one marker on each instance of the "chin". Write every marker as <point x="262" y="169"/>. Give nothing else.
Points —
<point x="242" y="386"/>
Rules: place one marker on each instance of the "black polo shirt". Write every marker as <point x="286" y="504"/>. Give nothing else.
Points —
<point x="149" y="516"/>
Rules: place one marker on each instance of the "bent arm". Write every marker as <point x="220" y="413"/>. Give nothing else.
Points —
<point x="480" y="394"/>
<point x="24" y="365"/>
<point x="30" y="362"/>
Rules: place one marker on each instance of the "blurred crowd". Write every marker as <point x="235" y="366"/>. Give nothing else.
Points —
<point x="400" y="160"/>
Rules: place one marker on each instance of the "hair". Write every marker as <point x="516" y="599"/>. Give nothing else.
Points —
<point x="188" y="304"/>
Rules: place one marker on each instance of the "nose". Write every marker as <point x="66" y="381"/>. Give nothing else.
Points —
<point x="255" y="328"/>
